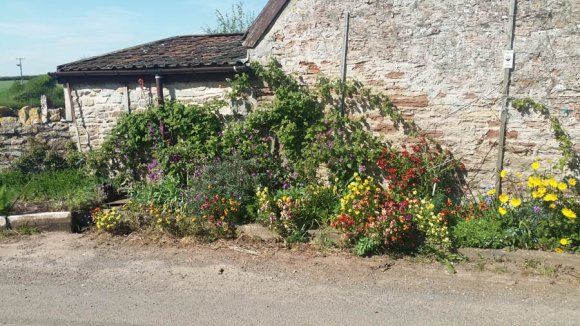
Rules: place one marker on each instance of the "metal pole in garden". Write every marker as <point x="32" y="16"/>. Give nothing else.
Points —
<point x="508" y="64"/>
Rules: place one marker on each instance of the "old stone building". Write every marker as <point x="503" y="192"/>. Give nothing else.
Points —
<point x="184" y="68"/>
<point x="441" y="62"/>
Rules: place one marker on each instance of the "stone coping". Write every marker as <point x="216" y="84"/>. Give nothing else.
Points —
<point x="48" y="221"/>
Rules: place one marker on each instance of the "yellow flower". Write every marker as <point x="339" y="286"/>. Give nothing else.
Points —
<point x="562" y="186"/>
<point x="558" y="250"/>
<point x="535" y="165"/>
<point x="569" y="213"/>
<point x="515" y="202"/>
<point x="550" y="197"/>
<point x="504" y="198"/>
<point x="490" y="192"/>
<point x="503" y="173"/>
<point x="572" y="182"/>
<point x="502" y="211"/>
<point x="552" y="206"/>
<point x="542" y="191"/>
<point x="564" y="241"/>
<point x="553" y="183"/>
<point x="534" y="182"/>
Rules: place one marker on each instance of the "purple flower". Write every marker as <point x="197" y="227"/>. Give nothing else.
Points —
<point x="361" y="168"/>
<point x="536" y="210"/>
<point x="488" y="200"/>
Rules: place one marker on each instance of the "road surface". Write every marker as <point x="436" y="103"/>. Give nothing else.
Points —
<point x="71" y="279"/>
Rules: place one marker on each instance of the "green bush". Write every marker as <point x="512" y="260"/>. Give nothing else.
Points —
<point x="176" y="137"/>
<point x="29" y="93"/>
<point x="63" y="189"/>
<point x="484" y="232"/>
<point x="291" y="212"/>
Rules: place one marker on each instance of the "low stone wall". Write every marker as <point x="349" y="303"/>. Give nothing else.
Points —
<point x="15" y="131"/>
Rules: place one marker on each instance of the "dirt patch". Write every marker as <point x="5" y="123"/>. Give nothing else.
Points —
<point x="481" y="270"/>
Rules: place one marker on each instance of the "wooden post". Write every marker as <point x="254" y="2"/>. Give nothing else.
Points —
<point x="344" y="61"/>
<point x="73" y="116"/>
<point x="505" y="96"/>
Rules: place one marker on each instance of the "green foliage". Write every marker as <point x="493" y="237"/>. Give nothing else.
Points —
<point x="21" y="94"/>
<point x="484" y="232"/>
<point x="167" y="192"/>
<point x="291" y="212"/>
<point x="236" y="21"/>
<point x="174" y="138"/>
<point x="63" y="189"/>
<point x="233" y="177"/>
<point x="367" y="246"/>
<point x="570" y="157"/>
<point x="38" y="157"/>
<point x="51" y="179"/>
<point x="7" y="196"/>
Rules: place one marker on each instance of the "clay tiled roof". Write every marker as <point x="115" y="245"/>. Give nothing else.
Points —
<point x="193" y="51"/>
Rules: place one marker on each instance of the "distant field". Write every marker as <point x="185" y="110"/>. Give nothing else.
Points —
<point x="4" y="96"/>
<point x="5" y="84"/>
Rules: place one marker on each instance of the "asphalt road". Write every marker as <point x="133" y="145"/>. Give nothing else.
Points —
<point x="68" y="279"/>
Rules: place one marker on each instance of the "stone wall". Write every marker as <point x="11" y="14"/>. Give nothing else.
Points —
<point x="441" y="64"/>
<point x="99" y="105"/>
<point x="15" y="131"/>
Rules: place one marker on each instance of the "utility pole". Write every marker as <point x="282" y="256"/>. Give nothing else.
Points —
<point x="20" y="65"/>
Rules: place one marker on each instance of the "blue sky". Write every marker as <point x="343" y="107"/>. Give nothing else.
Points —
<point x="51" y="32"/>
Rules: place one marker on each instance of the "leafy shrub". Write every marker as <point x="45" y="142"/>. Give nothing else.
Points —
<point x="291" y="212"/>
<point x="29" y="93"/>
<point x="7" y="196"/>
<point x="63" y="189"/>
<point x="39" y="157"/>
<point x="484" y="232"/>
<point x="175" y="135"/>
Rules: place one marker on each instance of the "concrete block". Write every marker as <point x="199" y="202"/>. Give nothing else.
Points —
<point x="2" y="223"/>
<point x="52" y="221"/>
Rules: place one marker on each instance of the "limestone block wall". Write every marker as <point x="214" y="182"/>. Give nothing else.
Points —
<point x="98" y="105"/>
<point x="15" y="131"/>
<point x="441" y="64"/>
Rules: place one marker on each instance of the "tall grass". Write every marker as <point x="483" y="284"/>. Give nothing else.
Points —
<point x="67" y="189"/>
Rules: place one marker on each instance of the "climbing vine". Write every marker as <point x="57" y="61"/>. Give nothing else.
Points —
<point x="570" y="157"/>
<point x="306" y="126"/>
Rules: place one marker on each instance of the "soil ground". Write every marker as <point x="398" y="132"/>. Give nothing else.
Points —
<point x="150" y="279"/>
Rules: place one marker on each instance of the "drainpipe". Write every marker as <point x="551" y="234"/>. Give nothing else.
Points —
<point x="159" y="85"/>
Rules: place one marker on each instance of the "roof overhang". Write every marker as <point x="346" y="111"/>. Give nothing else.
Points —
<point x="151" y="72"/>
<point x="264" y="22"/>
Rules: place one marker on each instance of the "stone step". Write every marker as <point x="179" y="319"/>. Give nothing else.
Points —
<point x="118" y="203"/>
<point x="51" y="221"/>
